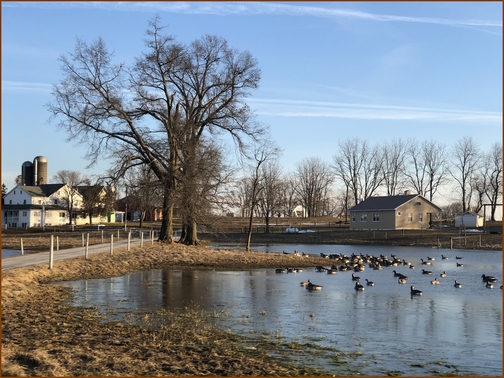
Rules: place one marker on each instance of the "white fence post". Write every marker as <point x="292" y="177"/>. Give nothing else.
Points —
<point x="111" y="244"/>
<point x="83" y="239"/>
<point x="57" y="243"/>
<point x="129" y="240"/>
<point x="141" y="238"/>
<point x="22" y="249"/>
<point x="102" y="236"/>
<point x="51" y="252"/>
<point x="86" y="253"/>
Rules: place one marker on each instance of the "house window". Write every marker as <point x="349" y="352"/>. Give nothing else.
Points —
<point x="20" y="192"/>
<point x="363" y="217"/>
<point x="24" y="202"/>
<point x="14" y="192"/>
<point x="10" y="202"/>
<point x="398" y="213"/>
<point x="420" y="217"/>
<point x="55" y="201"/>
<point x="25" y="213"/>
<point x="410" y="217"/>
<point x="353" y="218"/>
<point x="62" y="215"/>
<point x="376" y="217"/>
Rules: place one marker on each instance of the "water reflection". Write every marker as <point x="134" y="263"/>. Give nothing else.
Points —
<point x="446" y="331"/>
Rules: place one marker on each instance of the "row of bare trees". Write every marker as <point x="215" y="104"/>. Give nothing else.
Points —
<point x="360" y="170"/>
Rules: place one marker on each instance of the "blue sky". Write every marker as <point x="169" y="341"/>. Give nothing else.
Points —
<point x="330" y="70"/>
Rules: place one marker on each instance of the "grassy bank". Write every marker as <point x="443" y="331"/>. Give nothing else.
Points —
<point x="44" y="336"/>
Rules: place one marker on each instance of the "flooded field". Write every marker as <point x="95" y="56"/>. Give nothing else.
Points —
<point x="382" y="330"/>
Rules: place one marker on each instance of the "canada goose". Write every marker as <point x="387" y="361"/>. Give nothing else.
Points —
<point x="304" y="283"/>
<point x="332" y="271"/>
<point x="460" y="264"/>
<point x="280" y="270"/>
<point x="355" y="278"/>
<point x="488" y="278"/>
<point x="312" y="286"/>
<point x="443" y="274"/>
<point x="444" y="257"/>
<point x="425" y="262"/>
<point x="489" y="285"/>
<point x="426" y="271"/>
<point x="430" y="258"/>
<point x="458" y="285"/>
<point x="358" y="286"/>
<point x="399" y="275"/>
<point x="415" y="292"/>
<point x="458" y="258"/>
<point x="320" y="268"/>
<point x="402" y="280"/>
<point x="435" y="281"/>
<point x="369" y="283"/>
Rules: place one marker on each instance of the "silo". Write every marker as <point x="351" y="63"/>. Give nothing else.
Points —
<point x="27" y="174"/>
<point x="40" y="170"/>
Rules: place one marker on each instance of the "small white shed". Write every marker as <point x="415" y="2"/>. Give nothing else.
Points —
<point x="469" y="220"/>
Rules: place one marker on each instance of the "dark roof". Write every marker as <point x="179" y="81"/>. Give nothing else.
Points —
<point x="41" y="190"/>
<point x="385" y="202"/>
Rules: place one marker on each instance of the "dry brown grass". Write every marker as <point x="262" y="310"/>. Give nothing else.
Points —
<point x="44" y="336"/>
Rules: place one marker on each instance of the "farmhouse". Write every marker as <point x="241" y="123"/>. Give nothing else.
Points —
<point x="406" y="211"/>
<point x="42" y="205"/>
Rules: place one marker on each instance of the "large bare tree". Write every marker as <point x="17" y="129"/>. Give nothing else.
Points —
<point x="466" y="159"/>
<point x="394" y="158"/>
<point x="427" y="167"/>
<point x="360" y="167"/>
<point x="270" y="198"/>
<point x="314" y="179"/>
<point x="70" y="193"/>
<point x="164" y="102"/>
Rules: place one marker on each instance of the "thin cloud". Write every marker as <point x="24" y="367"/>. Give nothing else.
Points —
<point x="251" y="8"/>
<point x="293" y="108"/>
<point x="8" y="85"/>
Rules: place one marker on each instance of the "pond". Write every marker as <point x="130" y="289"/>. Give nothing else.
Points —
<point x="382" y="330"/>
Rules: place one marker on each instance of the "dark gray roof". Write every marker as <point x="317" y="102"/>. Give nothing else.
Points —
<point x="41" y="190"/>
<point x="383" y="203"/>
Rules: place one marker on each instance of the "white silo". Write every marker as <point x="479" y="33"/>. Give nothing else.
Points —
<point x="40" y="170"/>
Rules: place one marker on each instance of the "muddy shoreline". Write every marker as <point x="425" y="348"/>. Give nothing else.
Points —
<point x="44" y="336"/>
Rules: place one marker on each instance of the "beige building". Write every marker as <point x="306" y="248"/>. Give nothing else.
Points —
<point x="408" y="211"/>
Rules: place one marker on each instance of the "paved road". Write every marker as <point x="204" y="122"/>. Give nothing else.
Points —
<point x="14" y="262"/>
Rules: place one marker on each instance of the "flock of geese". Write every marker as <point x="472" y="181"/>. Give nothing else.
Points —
<point x="357" y="263"/>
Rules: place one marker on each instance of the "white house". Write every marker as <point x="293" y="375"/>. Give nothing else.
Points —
<point x="469" y="220"/>
<point x="36" y="206"/>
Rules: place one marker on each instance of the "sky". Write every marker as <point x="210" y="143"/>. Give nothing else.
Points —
<point x="330" y="71"/>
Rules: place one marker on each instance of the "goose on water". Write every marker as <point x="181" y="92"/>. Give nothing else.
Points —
<point x="426" y="271"/>
<point x="415" y="292"/>
<point x="430" y="258"/>
<point x="488" y="278"/>
<point x="304" y="283"/>
<point x="355" y="278"/>
<point x="435" y="281"/>
<point x="369" y="283"/>
<point x="460" y="264"/>
<point x="443" y="274"/>
<point x="358" y="286"/>
<point x="444" y="257"/>
<point x="489" y="285"/>
<point x="458" y="285"/>
<point x="425" y="262"/>
<point x="312" y="286"/>
<point x="402" y="280"/>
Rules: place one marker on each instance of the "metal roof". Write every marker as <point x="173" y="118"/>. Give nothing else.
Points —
<point x="387" y="202"/>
